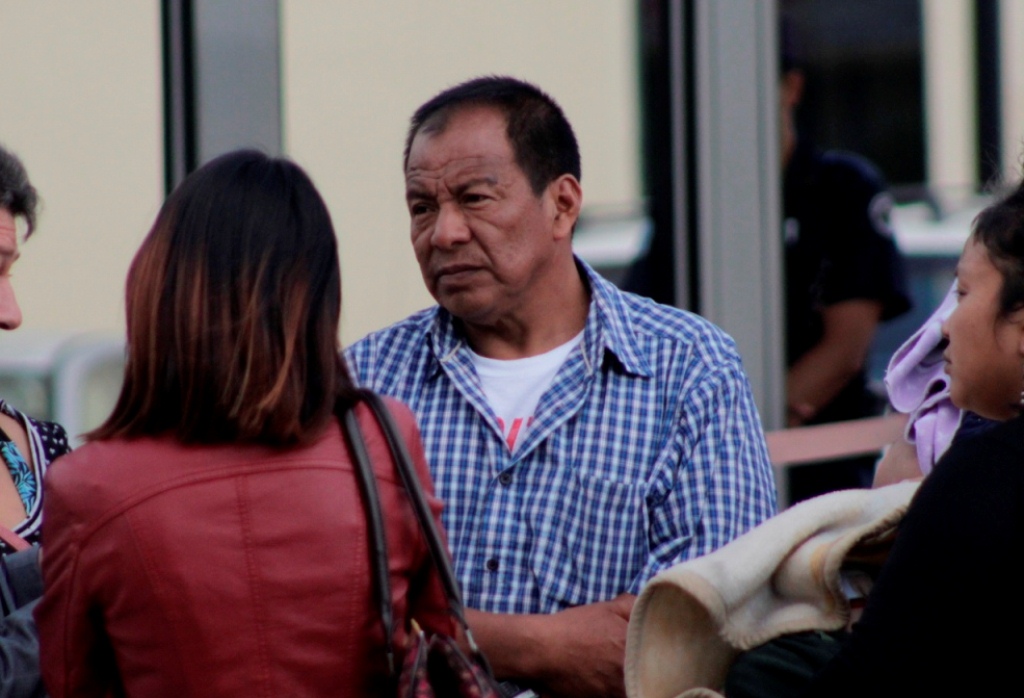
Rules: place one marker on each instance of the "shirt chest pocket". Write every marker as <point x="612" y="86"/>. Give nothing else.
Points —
<point x="594" y="541"/>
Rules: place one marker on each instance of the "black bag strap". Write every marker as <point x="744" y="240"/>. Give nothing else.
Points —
<point x="375" y="531"/>
<point x="438" y="550"/>
<point x="410" y="481"/>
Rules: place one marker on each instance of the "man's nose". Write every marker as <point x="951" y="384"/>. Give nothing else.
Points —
<point x="10" y="312"/>
<point x="450" y="228"/>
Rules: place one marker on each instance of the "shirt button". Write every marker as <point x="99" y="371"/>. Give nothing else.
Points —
<point x="505" y="478"/>
<point x="492" y="565"/>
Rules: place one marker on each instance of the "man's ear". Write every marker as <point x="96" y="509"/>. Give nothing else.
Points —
<point x="567" y="196"/>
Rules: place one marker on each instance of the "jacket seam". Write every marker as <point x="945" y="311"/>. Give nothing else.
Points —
<point x="226" y="473"/>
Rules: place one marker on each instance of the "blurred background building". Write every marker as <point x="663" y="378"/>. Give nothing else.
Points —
<point x="111" y="102"/>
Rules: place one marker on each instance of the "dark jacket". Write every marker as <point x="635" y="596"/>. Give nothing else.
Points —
<point x="20" y="587"/>
<point x="226" y="570"/>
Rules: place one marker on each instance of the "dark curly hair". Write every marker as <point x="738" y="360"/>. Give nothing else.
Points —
<point x="17" y="194"/>
<point x="1000" y="228"/>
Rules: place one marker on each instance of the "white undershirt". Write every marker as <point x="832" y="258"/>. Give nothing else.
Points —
<point x="514" y="387"/>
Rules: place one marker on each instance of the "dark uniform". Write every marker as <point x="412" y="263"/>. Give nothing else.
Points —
<point x="839" y="247"/>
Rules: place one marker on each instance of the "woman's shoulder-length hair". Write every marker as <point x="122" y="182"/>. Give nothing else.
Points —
<point x="233" y="303"/>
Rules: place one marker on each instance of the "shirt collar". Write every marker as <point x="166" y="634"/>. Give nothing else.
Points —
<point x="608" y="331"/>
<point x="609" y="328"/>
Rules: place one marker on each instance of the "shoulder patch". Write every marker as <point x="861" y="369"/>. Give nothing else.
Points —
<point x="880" y="212"/>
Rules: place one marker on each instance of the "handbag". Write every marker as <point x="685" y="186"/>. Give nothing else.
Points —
<point x="435" y="665"/>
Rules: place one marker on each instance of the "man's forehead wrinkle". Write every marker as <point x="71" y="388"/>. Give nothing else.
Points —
<point x="456" y="172"/>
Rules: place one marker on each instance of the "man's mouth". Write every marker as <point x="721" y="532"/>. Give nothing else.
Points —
<point x="455" y="271"/>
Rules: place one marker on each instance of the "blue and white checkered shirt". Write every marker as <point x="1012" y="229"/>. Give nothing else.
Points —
<point x="646" y="450"/>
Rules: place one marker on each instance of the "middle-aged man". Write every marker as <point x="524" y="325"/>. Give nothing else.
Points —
<point x="581" y="438"/>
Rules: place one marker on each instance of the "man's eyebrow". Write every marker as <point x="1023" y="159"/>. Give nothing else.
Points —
<point x="414" y="191"/>
<point x="488" y="180"/>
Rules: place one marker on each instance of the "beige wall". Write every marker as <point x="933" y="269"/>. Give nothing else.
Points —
<point x="80" y="103"/>
<point x="950" y="97"/>
<point x="353" y="73"/>
<point x="1011" y="17"/>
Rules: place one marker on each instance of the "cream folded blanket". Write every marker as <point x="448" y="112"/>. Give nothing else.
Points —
<point x="693" y="619"/>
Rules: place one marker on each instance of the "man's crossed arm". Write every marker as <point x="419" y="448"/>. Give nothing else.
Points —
<point x="576" y="652"/>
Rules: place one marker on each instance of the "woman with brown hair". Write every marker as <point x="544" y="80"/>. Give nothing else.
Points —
<point x="210" y="539"/>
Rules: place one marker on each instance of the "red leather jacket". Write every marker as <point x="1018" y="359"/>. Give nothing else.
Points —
<point x="227" y="570"/>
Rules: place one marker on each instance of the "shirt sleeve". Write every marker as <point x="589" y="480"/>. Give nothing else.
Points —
<point x="716" y="480"/>
<point x="862" y="260"/>
<point x="356" y="357"/>
<point x="53" y="437"/>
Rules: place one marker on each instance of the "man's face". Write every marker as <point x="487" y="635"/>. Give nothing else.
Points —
<point x="483" y="240"/>
<point x="10" y="313"/>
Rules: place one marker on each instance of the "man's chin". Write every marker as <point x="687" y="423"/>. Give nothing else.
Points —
<point x="468" y="307"/>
